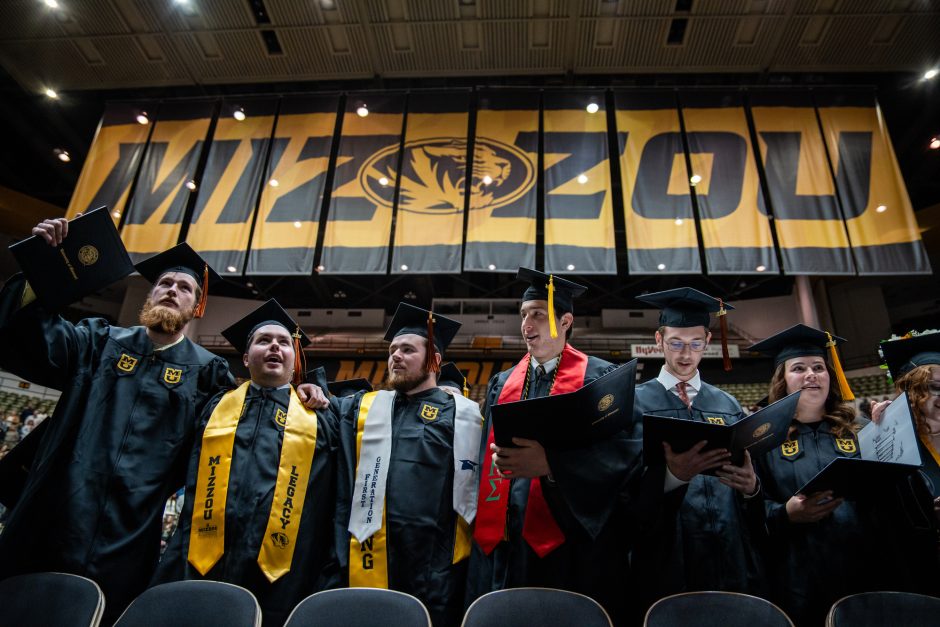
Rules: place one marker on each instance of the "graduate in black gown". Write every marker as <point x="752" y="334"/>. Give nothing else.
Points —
<point x="407" y="474"/>
<point x="271" y="529"/>
<point x="822" y="548"/>
<point x="710" y="543"/>
<point x="116" y="446"/>
<point x="551" y="518"/>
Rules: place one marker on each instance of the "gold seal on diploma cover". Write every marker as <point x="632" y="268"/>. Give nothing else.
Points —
<point x="88" y="255"/>
<point x="605" y="402"/>
<point x="761" y="430"/>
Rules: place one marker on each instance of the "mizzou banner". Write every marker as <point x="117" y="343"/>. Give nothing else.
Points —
<point x="112" y="161"/>
<point x="878" y="215"/>
<point x="735" y="234"/>
<point x="503" y="191"/>
<point x="431" y="184"/>
<point x="810" y="230"/>
<point x="155" y="214"/>
<point x="229" y="185"/>
<point x="365" y="178"/>
<point x="657" y="203"/>
<point x="288" y="222"/>
<point x="579" y="228"/>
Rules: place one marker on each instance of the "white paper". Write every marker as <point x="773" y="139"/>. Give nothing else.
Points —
<point x="894" y="438"/>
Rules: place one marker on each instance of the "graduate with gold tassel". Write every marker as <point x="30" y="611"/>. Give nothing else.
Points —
<point x="260" y="490"/>
<point x="407" y="473"/>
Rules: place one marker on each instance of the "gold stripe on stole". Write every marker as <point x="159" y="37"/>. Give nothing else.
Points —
<point x="207" y="535"/>
<point x="462" y="535"/>
<point x="368" y="562"/>
<point x="290" y="490"/>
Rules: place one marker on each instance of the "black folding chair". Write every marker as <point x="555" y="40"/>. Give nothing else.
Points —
<point x="546" y="607"/>
<point x="193" y="603"/>
<point x="715" y="609"/>
<point x="898" y="609"/>
<point x="50" y="600"/>
<point x="359" y="607"/>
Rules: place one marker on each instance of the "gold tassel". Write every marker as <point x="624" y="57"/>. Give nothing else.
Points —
<point x="200" y="310"/>
<point x="553" y="330"/>
<point x="837" y="367"/>
<point x="430" y="365"/>
<point x="466" y="388"/>
<point x="300" y="360"/>
<point x="725" y="356"/>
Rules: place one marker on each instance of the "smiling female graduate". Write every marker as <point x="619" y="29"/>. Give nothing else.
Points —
<point x="258" y="510"/>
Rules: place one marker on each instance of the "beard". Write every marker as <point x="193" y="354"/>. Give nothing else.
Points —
<point x="163" y="319"/>
<point x="406" y="382"/>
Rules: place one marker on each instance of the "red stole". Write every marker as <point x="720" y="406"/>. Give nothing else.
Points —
<point x="539" y="528"/>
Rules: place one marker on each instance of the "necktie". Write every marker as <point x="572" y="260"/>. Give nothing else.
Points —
<point x="680" y="388"/>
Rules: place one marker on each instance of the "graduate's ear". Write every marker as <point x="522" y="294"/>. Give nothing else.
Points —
<point x="659" y="339"/>
<point x="708" y="337"/>
<point x="245" y="359"/>
<point x="566" y="320"/>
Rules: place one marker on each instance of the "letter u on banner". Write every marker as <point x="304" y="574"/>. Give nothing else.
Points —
<point x="501" y="224"/>
<point x="360" y="215"/>
<point x="579" y="226"/>
<point x="112" y="160"/>
<point x="230" y="182"/>
<point x="657" y="205"/>
<point x="882" y="228"/>
<point x="155" y="214"/>
<point x="285" y="234"/>
<point x="735" y="234"/>
<point x="434" y="169"/>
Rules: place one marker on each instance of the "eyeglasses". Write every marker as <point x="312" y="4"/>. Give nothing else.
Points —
<point x="934" y="389"/>
<point x="695" y="345"/>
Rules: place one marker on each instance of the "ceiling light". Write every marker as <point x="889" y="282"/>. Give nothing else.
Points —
<point x="52" y="4"/>
<point x="297" y="224"/>
<point x="362" y="111"/>
<point x="255" y="292"/>
<point x="51" y="93"/>
<point x="232" y="269"/>
<point x="191" y="184"/>
<point x="661" y="266"/>
<point x="678" y="221"/>
<point x="63" y="155"/>
<point x="249" y="284"/>
<point x="492" y="266"/>
<point x="487" y="179"/>
<point x="761" y="268"/>
<point x="695" y="179"/>
<point x="239" y="114"/>
<point x="404" y="267"/>
<point x="593" y="107"/>
<point x="881" y="208"/>
<point x="582" y="178"/>
<point x="929" y="74"/>
<point x="142" y="118"/>
<point x="273" y="183"/>
<point x="383" y="181"/>
<point x="321" y="268"/>
<point x="116" y="214"/>
<point x="934" y="143"/>
<point x="570" y="267"/>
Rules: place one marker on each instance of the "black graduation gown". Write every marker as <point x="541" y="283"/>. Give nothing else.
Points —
<point x="884" y="542"/>
<point x="252" y="477"/>
<point x="586" y="502"/>
<point x="115" y="449"/>
<point x="710" y="544"/>
<point x="420" y="518"/>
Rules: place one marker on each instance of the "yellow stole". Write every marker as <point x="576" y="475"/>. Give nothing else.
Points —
<point x="207" y="535"/>
<point x="925" y="440"/>
<point x="368" y="561"/>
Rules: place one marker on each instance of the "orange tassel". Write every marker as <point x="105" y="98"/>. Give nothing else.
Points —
<point x="300" y="360"/>
<point x="200" y="310"/>
<point x="430" y="364"/>
<point x="466" y="388"/>
<point x="837" y="367"/>
<point x="725" y="356"/>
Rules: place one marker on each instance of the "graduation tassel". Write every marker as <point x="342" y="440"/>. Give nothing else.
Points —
<point x="837" y="367"/>
<point x="200" y="309"/>
<point x="300" y="360"/>
<point x="466" y="388"/>
<point x="430" y="364"/>
<point x="725" y="357"/>
<point x="552" y="329"/>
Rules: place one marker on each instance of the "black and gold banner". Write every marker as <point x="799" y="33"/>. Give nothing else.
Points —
<point x="220" y="226"/>
<point x="579" y="220"/>
<point x="113" y="160"/>
<point x="364" y="182"/>
<point x="810" y="231"/>
<point x="878" y="215"/>
<point x="155" y="214"/>
<point x="288" y="222"/>
<point x="431" y="186"/>
<point x="503" y="192"/>
<point x="657" y="203"/>
<point x="735" y="234"/>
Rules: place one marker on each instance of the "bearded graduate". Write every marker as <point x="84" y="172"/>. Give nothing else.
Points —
<point x="117" y="444"/>
<point x="407" y="473"/>
<point x="258" y="509"/>
<point x="547" y="517"/>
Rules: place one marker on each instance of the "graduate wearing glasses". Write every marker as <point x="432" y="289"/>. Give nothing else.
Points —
<point x="708" y="544"/>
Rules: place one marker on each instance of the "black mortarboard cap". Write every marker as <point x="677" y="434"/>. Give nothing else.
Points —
<point x="439" y="329"/>
<point x="451" y="375"/>
<point x="181" y="258"/>
<point x="803" y="341"/>
<point x="564" y="291"/>
<point x="684" y="307"/>
<point x="348" y="387"/>
<point x="270" y="312"/>
<point x="905" y="354"/>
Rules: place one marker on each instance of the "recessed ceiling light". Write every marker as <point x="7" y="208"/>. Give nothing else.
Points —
<point x="695" y="179"/>
<point x="142" y="118"/>
<point x="273" y="183"/>
<point x="761" y="268"/>
<point x="52" y="4"/>
<point x="492" y="266"/>
<point x="881" y="208"/>
<point x="929" y="74"/>
<point x="934" y="143"/>
<point x="116" y="214"/>
<point x="383" y="181"/>
<point x="239" y="114"/>
<point x="321" y="268"/>
<point x="297" y="224"/>
<point x="191" y="185"/>
<point x="582" y="178"/>
<point x="592" y="107"/>
<point x="63" y="155"/>
<point x="362" y="111"/>
<point x="232" y="269"/>
<point x="570" y="267"/>
<point x="404" y="267"/>
<point x="51" y="93"/>
<point x="661" y="266"/>
<point x="679" y="221"/>
<point x="487" y="179"/>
